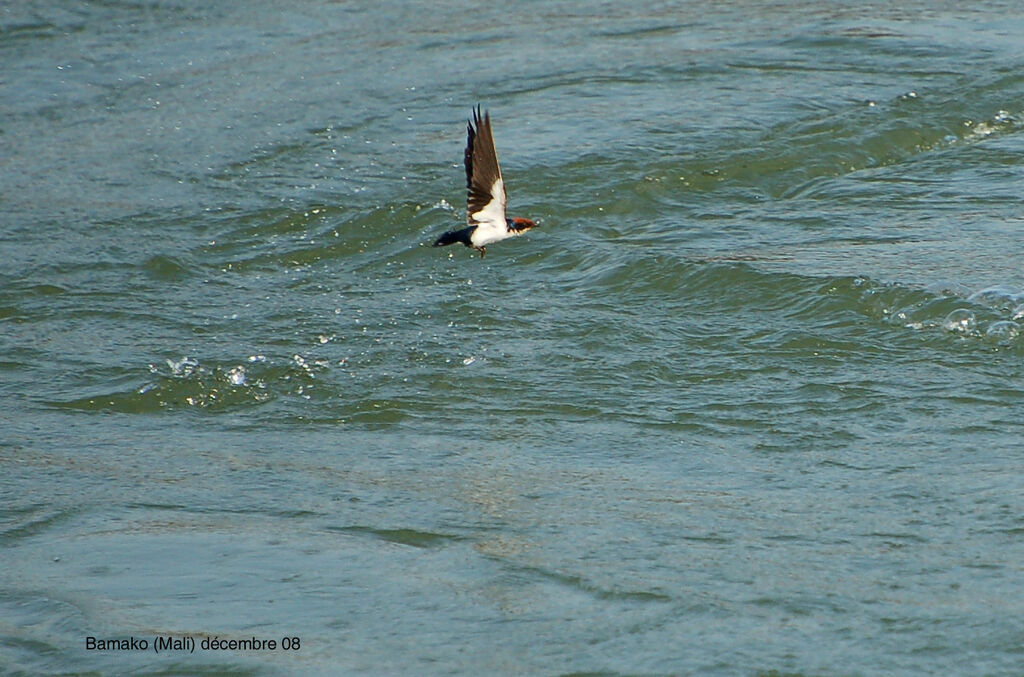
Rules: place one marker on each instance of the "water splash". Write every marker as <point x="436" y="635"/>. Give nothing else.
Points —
<point x="1003" y="332"/>
<point x="999" y="297"/>
<point x="960" y="321"/>
<point x="186" y="366"/>
<point x="189" y="383"/>
<point x="237" y="375"/>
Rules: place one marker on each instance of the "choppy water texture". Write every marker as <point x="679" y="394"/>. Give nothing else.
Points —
<point x="749" y="401"/>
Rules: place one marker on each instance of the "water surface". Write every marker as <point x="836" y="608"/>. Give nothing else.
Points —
<point x="748" y="402"/>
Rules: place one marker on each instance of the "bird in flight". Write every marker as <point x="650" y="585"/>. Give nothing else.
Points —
<point x="485" y="206"/>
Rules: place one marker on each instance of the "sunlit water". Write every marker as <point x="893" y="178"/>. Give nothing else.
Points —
<point x="748" y="401"/>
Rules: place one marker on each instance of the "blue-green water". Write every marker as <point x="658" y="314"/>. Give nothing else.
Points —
<point x="748" y="402"/>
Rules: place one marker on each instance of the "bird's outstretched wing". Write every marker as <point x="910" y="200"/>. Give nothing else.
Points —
<point x="485" y="206"/>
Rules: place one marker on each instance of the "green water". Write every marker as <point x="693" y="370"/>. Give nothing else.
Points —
<point x="747" y="402"/>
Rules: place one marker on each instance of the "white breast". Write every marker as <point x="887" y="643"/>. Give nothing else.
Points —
<point x="490" y="221"/>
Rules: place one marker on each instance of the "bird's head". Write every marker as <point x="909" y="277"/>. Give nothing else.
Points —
<point x="520" y="224"/>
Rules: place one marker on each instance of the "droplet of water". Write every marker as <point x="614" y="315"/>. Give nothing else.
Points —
<point x="960" y="320"/>
<point x="1002" y="331"/>
<point x="183" y="367"/>
<point x="237" y="375"/>
<point x="997" y="297"/>
<point x="1003" y="116"/>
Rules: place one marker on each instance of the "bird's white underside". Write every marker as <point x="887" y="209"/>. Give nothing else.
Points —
<point x="490" y="221"/>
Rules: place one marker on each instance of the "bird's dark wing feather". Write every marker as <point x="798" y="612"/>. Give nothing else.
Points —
<point x="483" y="175"/>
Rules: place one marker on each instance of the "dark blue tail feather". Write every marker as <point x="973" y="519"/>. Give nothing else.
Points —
<point x="453" y="236"/>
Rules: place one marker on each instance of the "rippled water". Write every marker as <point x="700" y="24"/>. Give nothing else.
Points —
<point x="748" y="401"/>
